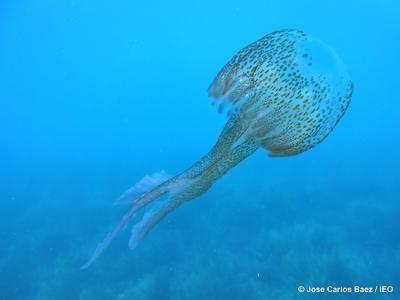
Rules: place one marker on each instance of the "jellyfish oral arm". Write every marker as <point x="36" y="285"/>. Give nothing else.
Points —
<point x="182" y="189"/>
<point x="186" y="186"/>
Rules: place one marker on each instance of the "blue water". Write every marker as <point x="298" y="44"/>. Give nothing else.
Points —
<point x="96" y="94"/>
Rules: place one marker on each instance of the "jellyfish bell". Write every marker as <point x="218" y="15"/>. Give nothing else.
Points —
<point x="289" y="88"/>
<point x="285" y="93"/>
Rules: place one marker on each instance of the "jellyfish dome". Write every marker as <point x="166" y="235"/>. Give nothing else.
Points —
<point x="290" y="89"/>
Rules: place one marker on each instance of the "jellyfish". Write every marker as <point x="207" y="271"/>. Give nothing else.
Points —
<point x="283" y="93"/>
